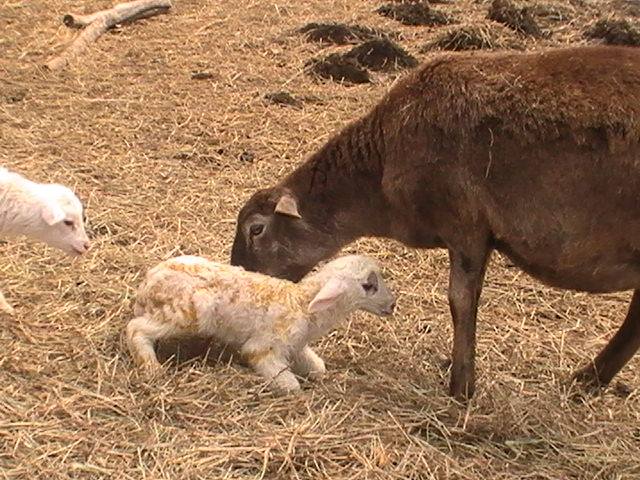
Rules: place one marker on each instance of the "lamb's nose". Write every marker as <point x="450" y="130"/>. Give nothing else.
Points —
<point x="392" y="307"/>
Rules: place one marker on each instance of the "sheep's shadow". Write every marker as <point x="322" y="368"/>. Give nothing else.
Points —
<point x="185" y="350"/>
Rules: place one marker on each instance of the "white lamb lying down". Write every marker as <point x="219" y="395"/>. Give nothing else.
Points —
<point x="268" y="320"/>
<point x="47" y="212"/>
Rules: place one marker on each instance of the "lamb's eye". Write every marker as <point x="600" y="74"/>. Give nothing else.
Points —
<point x="69" y="223"/>
<point x="256" y="229"/>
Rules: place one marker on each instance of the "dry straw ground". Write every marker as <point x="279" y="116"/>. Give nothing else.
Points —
<point x="164" y="161"/>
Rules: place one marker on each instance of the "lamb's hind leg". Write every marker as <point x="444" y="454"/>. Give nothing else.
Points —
<point x="617" y="352"/>
<point x="307" y="363"/>
<point x="142" y="333"/>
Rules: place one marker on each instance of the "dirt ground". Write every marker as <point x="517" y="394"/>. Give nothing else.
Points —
<point x="163" y="129"/>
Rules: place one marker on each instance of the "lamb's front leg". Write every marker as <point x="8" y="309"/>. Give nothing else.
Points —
<point x="271" y="366"/>
<point x="307" y="363"/>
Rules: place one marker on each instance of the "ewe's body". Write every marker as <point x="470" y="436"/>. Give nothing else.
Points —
<point x="533" y="154"/>
<point x="269" y="321"/>
<point x="47" y="212"/>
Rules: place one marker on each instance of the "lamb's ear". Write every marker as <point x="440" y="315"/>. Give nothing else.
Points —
<point x="328" y="295"/>
<point x="52" y="213"/>
<point x="287" y="205"/>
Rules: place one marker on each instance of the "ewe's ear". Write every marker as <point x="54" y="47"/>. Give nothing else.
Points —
<point x="328" y="296"/>
<point x="287" y="205"/>
<point x="52" y="213"/>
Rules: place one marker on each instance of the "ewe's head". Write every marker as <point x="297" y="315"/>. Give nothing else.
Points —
<point x="353" y="282"/>
<point x="61" y="220"/>
<point x="278" y="235"/>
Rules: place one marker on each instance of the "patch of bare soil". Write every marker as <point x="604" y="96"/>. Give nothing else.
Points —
<point x="626" y="7"/>
<point x="340" y="33"/>
<point x="415" y="13"/>
<point x="283" y="98"/>
<point x="615" y="32"/>
<point x="519" y="19"/>
<point x="473" y="37"/>
<point x="382" y="54"/>
<point x="551" y="12"/>
<point x="338" y="68"/>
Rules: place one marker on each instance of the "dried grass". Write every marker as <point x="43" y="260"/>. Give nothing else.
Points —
<point x="156" y="155"/>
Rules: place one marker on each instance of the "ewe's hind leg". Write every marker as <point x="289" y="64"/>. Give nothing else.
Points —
<point x="617" y="352"/>
<point x="142" y="334"/>
<point x="307" y="363"/>
<point x="4" y="305"/>
<point x="272" y="367"/>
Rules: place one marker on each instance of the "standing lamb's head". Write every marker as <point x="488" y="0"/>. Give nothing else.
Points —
<point x="60" y="223"/>
<point x="352" y="282"/>
<point x="277" y="236"/>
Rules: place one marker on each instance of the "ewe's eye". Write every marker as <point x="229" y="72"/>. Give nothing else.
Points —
<point x="69" y="223"/>
<point x="256" y="229"/>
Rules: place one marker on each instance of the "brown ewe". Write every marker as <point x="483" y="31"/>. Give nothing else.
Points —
<point x="535" y="155"/>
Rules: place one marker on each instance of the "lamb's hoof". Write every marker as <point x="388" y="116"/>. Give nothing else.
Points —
<point x="285" y="391"/>
<point x="150" y="370"/>
<point x="315" y="376"/>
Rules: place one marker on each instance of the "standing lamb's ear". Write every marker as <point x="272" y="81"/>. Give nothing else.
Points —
<point x="328" y="295"/>
<point x="52" y="213"/>
<point x="287" y="205"/>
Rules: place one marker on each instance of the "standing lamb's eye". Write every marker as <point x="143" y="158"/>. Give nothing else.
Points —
<point x="256" y="229"/>
<point x="69" y="223"/>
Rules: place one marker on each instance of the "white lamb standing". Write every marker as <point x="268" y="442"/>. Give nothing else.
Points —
<point x="269" y="321"/>
<point x="47" y="212"/>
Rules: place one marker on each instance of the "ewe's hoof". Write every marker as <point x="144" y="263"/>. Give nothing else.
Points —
<point x="461" y="392"/>
<point x="587" y="378"/>
<point x="587" y="384"/>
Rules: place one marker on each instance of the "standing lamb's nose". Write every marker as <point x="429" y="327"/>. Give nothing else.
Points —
<point x="87" y="245"/>
<point x="391" y="308"/>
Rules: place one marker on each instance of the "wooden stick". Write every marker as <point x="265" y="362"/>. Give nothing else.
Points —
<point x="98" y="23"/>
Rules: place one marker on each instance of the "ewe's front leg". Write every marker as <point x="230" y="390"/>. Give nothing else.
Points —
<point x="307" y="363"/>
<point x="273" y="368"/>
<point x="4" y="305"/>
<point x="465" y="284"/>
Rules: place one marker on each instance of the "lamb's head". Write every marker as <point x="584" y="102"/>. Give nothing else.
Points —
<point x="60" y="223"/>
<point x="353" y="282"/>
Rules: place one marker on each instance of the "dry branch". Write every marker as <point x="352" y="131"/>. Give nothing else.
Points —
<point x="98" y="23"/>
